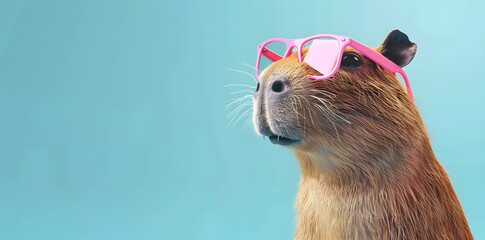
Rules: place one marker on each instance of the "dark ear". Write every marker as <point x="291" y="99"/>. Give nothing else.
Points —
<point x="397" y="48"/>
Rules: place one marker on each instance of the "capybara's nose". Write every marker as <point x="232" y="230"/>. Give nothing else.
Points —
<point x="277" y="87"/>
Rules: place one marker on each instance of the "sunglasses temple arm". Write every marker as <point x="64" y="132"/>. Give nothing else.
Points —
<point x="383" y="61"/>
<point x="408" y="86"/>
<point x="271" y="55"/>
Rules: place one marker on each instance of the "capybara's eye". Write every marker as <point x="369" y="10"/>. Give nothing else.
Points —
<point x="351" y="60"/>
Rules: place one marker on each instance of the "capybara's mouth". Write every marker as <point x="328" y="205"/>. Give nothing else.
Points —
<point x="280" y="140"/>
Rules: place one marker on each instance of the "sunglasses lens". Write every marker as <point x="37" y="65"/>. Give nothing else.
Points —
<point x="271" y="53"/>
<point x="322" y="55"/>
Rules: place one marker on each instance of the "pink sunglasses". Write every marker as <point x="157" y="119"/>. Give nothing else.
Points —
<point x="324" y="54"/>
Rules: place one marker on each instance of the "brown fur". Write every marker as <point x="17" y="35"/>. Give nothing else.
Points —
<point x="367" y="172"/>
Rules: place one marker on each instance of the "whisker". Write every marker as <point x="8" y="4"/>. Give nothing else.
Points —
<point x="248" y="65"/>
<point x="310" y="113"/>
<point x="242" y="115"/>
<point x="324" y="93"/>
<point x="239" y="99"/>
<point x="330" y="111"/>
<point x="293" y="108"/>
<point x="330" y="120"/>
<point x="240" y="71"/>
<point x="248" y="121"/>
<point x="240" y="103"/>
<point x="238" y="85"/>
<point x="241" y="91"/>
<point x="237" y="110"/>
<point x="234" y="111"/>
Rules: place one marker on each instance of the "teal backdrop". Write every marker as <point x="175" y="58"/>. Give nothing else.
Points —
<point x="113" y="122"/>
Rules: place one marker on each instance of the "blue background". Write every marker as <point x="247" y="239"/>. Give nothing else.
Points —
<point x="113" y="123"/>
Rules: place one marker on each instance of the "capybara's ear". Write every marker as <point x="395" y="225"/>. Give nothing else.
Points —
<point x="397" y="48"/>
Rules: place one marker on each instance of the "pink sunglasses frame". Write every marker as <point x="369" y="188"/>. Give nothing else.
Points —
<point x="343" y="43"/>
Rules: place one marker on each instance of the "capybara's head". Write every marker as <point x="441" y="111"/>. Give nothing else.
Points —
<point x="360" y="109"/>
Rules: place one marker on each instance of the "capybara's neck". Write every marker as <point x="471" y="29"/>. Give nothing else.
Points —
<point x="403" y="195"/>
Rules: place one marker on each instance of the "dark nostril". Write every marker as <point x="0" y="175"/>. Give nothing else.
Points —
<point x="277" y="86"/>
<point x="257" y="87"/>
